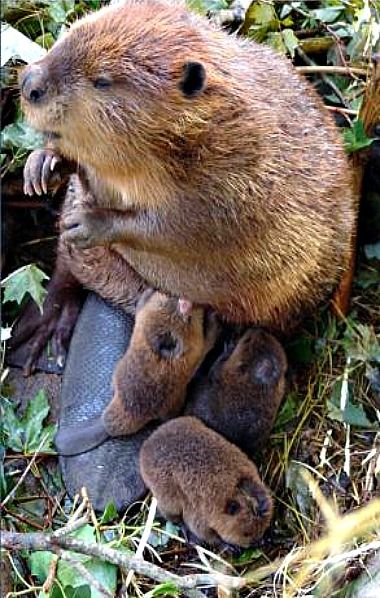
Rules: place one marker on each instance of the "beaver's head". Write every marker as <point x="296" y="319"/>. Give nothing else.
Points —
<point x="120" y="83"/>
<point x="244" y="514"/>
<point x="171" y="333"/>
<point x="258" y="359"/>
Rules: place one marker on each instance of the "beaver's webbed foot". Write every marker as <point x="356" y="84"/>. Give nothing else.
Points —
<point x="60" y="312"/>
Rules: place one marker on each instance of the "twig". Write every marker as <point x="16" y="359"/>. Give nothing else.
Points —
<point x="27" y="469"/>
<point x="81" y="569"/>
<point x="342" y="110"/>
<point x="72" y="526"/>
<point x="187" y="584"/>
<point x="48" y="583"/>
<point x="332" y="70"/>
<point x="324" y="78"/>
<point x="24" y="519"/>
<point x="143" y="542"/>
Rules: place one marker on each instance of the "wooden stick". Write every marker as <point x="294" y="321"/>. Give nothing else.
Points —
<point x="187" y="584"/>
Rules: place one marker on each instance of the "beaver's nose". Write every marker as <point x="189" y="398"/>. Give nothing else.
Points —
<point x="33" y="84"/>
<point x="263" y="506"/>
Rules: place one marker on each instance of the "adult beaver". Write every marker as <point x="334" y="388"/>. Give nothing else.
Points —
<point x="214" y="170"/>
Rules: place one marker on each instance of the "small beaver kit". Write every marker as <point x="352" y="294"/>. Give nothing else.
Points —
<point x="240" y="396"/>
<point x="200" y="478"/>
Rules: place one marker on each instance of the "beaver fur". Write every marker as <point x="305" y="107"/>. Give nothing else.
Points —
<point x="200" y="478"/>
<point x="240" y="396"/>
<point x="218" y="175"/>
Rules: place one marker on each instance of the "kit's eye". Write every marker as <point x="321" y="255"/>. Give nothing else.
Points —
<point x="232" y="507"/>
<point x="167" y="345"/>
<point x="102" y="83"/>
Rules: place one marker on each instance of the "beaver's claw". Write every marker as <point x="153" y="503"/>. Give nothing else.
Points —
<point x="38" y="171"/>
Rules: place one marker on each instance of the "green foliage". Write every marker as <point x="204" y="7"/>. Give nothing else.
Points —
<point x="26" y="434"/>
<point x="247" y="556"/>
<point x="109" y="513"/>
<point x="25" y="280"/>
<point x="68" y="582"/>
<point x="351" y="413"/>
<point x="361" y="344"/>
<point x="296" y="483"/>
<point x="60" y="10"/>
<point x="372" y="251"/>
<point x="163" y="589"/>
<point x="207" y="6"/>
<point x="355" y="138"/>
<point x="288" y="411"/>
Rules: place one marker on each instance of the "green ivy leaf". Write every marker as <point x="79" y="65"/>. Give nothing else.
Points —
<point x="37" y="410"/>
<point x="20" y="135"/>
<point x="69" y="579"/>
<point x="60" y="9"/>
<point x="25" y="280"/>
<point x="299" y="487"/>
<point x="39" y="563"/>
<point x="287" y="412"/>
<point x="328" y="14"/>
<point x="261" y="13"/>
<point x="355" y="138"/>
<point x="26" y="434"/>
<point x="13" y="429"/>
<point x="247" y="556"/>
<point x="109" y="513"/>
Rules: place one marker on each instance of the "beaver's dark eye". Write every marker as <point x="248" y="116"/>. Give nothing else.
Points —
<point x="193" y="79"/>
<point x="102" y="83"/>
<point x="232" y="507"/>
<point x="167" y="345"/>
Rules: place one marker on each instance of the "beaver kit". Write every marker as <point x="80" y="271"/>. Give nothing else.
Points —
<point x="200" y="478"/>
<point x="208" y="170"/>
<point x="240" y="396"/>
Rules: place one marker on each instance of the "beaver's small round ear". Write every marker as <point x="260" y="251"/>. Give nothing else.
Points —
<point x="193" y="79"/>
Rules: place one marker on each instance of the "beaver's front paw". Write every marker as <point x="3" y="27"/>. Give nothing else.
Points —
<point x="38" y="171"/>
<point x="84" y="228"/>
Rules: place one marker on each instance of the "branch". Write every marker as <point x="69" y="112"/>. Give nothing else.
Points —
<point x="81" y="569"/>
<point x="187" y="584"/>
<point x="332" y="70"/>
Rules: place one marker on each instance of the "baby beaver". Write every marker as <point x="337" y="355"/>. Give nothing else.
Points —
<point x="200" y="478"/>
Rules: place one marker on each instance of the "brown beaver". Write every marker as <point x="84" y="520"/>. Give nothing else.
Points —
<point x="240" y="396"/>
<point x="199" y="477"/>
<point x="168" y="343"/>
<point x="217" y="173"/>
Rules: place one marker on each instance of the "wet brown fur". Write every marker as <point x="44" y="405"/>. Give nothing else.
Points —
<point x="200" y="478"/>
<point x="239" y="197"/>
<point x="240" y="396"/>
